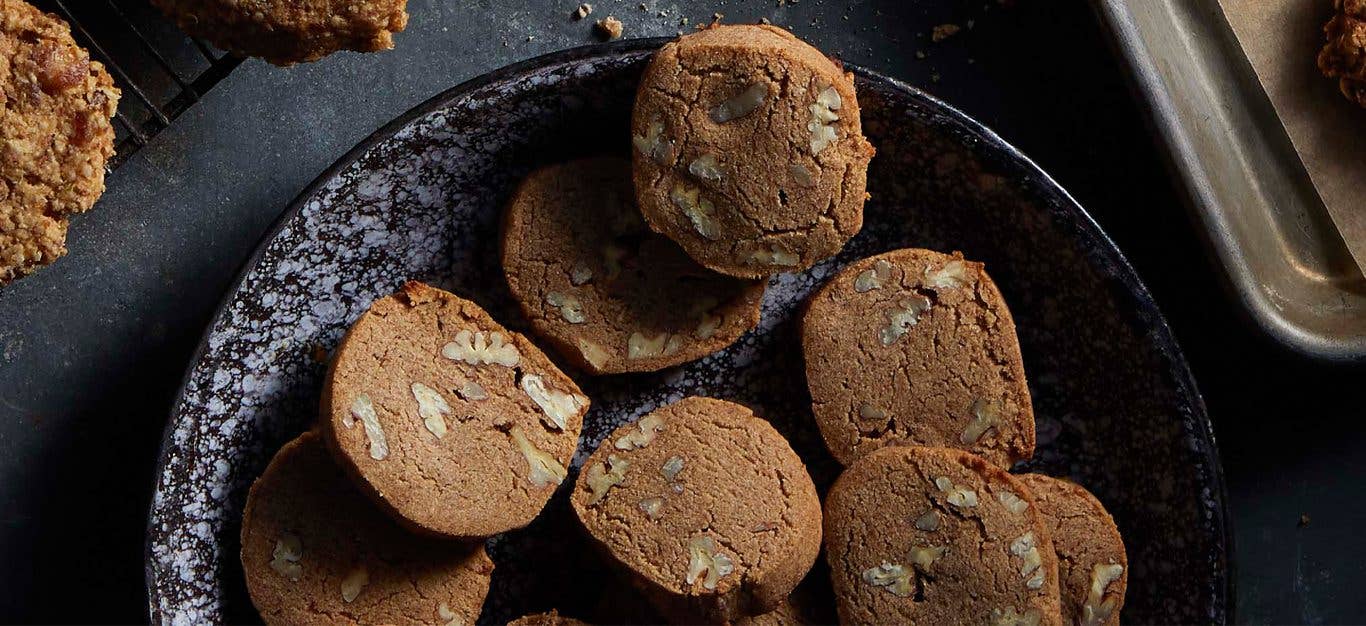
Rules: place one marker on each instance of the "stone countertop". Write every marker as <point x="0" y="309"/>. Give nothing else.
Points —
<point x="93" y="348"/>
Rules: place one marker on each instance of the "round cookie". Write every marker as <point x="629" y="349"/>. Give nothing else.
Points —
<point x="937" y="536"/>
<point x="749" y="150"/>
<point x="610" y="295"/>
<point x="916" y="347"/>
<point x="1092" y="564"/>
<point x="315" y="551"/>
<point x="450" y="422"/>
<point x="553" y="618"/>
<point x="285" y="32"/>
<point x="55" y="111"/>
<point x="706" y="505"/>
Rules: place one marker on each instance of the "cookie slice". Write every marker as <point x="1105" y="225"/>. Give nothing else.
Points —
<point x="920" y="535"/>
<point x="452" y="423"/>
<point x="749" y="150"/>
<point x="288" y="32"/>
<point x="1092" y="564"/>
<point x="607" y="293"/>
<point x="316" y="551"/>
<point x="706" y="505"/>
<point x="916" y="347"/>
<point x="552" y="618"/>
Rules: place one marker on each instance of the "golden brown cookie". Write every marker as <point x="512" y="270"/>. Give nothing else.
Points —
<point x="553" y="618"/>
<point x="610" y="295"/>
<point x="1344" y="55"/>
<point x="1092" y="566"/>
<point x="749" y="150"/>
<point x="55" y="135"/>
<point x="316" y="551"/>
<point x="452" y="423"/>
<point x="920" y="535"/>
<point x="706" y="505"/>
<point x="916" y="347"/>
<point x="285" y="32"/>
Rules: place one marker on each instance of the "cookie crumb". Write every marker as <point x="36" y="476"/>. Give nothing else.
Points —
<point x="944" y="31"/>
<point x="1304" y="520"/>
<point x="582" y="12"/>
<point x="609" y="28"/>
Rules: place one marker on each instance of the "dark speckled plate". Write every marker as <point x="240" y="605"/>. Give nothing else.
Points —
<point x="1117" y="409"/>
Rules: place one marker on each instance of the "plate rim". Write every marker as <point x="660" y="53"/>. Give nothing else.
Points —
<point x="1159" y="330"/>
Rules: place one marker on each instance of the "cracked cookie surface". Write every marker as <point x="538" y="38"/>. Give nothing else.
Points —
<point x="454" y="424"/>
<point x="316" y="551"/>
<point x="1092" y="566"/>
<point x="55" y="135"/>
<point x="748" y="150"/>
<point x="706" y="506"/>
<point x="285" y="32"/>
<point x="916" y="347"/>
<point x="605" y="291"/>
<point x="917" y="535"/>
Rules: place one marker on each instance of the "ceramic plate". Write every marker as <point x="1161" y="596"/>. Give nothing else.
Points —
<point x="1117" y="409"/>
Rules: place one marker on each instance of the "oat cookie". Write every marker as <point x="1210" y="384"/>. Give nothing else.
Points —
<point x="610" y="295"/>
<point x="285" y="32"/>
<point x="749" y="151"/>
<point x="452" y="423"/>
<point x="920" y="535"/>
<point x="1344" y="55"/>
<point x="316" y="551"/>
<point x="706" y="505"/>
<point x="55" y="135"/>
<point x="1092" y="567"/>
<point x="916" y="347"/>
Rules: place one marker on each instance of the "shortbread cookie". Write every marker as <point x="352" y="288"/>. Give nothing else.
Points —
<point x="610" y="295"/>
<point x="316" y="551"/>
<point x="452" y="423"/>
<point x="749" y="151"/>
<point x="553" y="618"/>
<point x="285" y="32"/>
<point x="706" y="505"/>
<point x="55" y="135"/>
<point x="1092" y="566"/>
<point x="916" y="347"/>
<point x="937" y="536"/>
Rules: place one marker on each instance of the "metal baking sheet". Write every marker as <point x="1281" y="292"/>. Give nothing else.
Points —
<point x="1284" y="258"/>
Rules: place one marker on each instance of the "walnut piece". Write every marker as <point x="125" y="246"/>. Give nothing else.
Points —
<point x="477" y="348"/>
<point x="646" y="430"/>
<point x="700" y="210"/>
<point x="708" y="326"/>
<point x="364" y="410"/>
<point x="869" y="412"/>
<point x="961" y="497"/>
<point x="286" y="556"/>
<point x="580" y="274"/>
<point x="874" y="277"/>
<point x="774" y="256"/>
<point x="928" y="522"/>
<point x="443" y="610"/>
<point x="671" y="467"/>
<point x="952" y="275"/>
<point x="901" y="319"/>
<point x="706" y="562"/>
<point x="706" y="168"/>
<point x="1009" y="617"/>
<point x="1095" y="611"/>
<point x="432" y="408"/>
<point x="896" y="579"/>
<point x="654" y="144"/>
<point x="1031" y="567"/>
<point x="638" y="346"/>
<point x="603" y="476"/>
<point x="740" y="104"/>
<point x="652" y="507"/>
<point x="1013" y="503"/>
<point x="595" y="354"/>
<point x="923" y="558"/>
<point x="354" y="582"/>
<point x="544" y="469"/>
<point x="472" y="391"/>
<point x="800" y="174"/>
<point x="556" y="406"/>
<point x="823" y="118"/>
<point x="570" y="307"/>
<point x="987" y="414"/>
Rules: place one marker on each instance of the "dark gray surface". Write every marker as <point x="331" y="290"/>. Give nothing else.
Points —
<point x="92" y="349"/>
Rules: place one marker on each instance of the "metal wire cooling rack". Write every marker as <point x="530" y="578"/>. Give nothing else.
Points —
<point x="161" y="71"/>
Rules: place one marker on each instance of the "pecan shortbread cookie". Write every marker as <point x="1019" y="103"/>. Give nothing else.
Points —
<point x="610" y="295"/>
<point x="316" y="551"/>
<point x="920" y="535"/>
<point x="285" y="32"/>
<point x="749" y="150"/>
<point x="55" y="135"/>
<point x="706" y="506"/>
<point x="452" y="423"/>
<point x="1092" y="565"/>
<point x="916" y="347"/>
